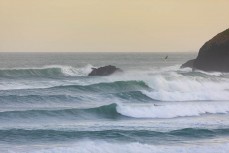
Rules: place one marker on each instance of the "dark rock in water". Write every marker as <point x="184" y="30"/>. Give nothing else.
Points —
<point x="214" y="54"/>
<point x="104" y="71"/>
<point x="188" y="64"/>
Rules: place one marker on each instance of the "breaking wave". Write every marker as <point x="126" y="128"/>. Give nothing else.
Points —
<point x="46" y="71"/>
<point x="121" y="111"/>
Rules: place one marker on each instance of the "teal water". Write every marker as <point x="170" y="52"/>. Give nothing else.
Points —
<point x="50" y="105"/>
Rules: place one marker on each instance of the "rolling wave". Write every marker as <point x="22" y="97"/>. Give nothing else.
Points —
<point x="46" y="71"/>
<point x="168" y="86"/>
<point x="57" y="99"/>
<point x="106" y="111"/>
<point x="158" y="88"/>
<point x="108" y="87"/>
<point x="121" y="111"/>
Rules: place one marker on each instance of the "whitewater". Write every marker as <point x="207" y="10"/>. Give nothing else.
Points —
<point x="50" y="105"/>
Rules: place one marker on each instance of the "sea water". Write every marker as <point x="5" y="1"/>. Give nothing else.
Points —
<point x="48" y="104"/>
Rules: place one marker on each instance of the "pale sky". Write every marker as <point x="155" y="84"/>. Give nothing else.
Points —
<point x="110" y="25"/>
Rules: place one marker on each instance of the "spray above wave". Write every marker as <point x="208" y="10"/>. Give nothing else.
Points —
<point x="46" y="71"/>
<point x="179" y="87"/>
<point x="203" y="95"/>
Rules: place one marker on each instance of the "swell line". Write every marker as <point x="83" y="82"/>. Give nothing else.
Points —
<point x="18" y="135"/>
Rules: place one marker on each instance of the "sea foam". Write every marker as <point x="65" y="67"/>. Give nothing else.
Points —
<point x="105" y="147"/>
<point x="172" y="110"/>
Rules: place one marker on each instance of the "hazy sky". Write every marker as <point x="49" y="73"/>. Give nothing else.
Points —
<point x="110" y="25"/>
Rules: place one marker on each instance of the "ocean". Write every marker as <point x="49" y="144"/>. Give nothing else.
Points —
<point x="48" y="104"/>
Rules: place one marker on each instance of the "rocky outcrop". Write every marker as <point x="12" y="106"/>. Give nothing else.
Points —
<point x="104" y="71"/>
<point x="188" y="64"/>
<point x="214" y="54"/>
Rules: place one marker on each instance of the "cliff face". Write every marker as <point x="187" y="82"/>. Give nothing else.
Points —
<point x="214" y="54"/>
<point x="188" y="64"/>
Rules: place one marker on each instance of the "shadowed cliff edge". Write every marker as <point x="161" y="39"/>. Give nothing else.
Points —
<point x="213" y="55"/>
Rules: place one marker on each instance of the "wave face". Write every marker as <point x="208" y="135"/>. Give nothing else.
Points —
<point x="111" y="87"/>
<point x="154" y="106"/>
<point x="108" y="112"/>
